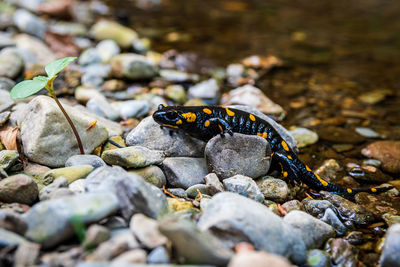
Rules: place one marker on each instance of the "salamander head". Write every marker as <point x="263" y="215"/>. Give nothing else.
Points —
<point x="169" y="117"/>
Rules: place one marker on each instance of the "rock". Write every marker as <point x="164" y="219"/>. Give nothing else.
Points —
<point x="273" y="189"/>
<point x="84" y="93"/>
<point x="8" y="158"/>
<point x="367" y="173"/>
<point x="69" y="173"/>
<point x="89" y="56"/>
<point x="390" y="255"/>
<point x="258" y="259"/>
<point x="36" y="170"/>
<point x="78" y="160"/>
<point x="132" y="157"/>
<point x="146" y="231"/>
<point x="11" y="63"/>
<point x="331" y="218"/>
<point x="194" y="246"/>
<point x="313" y="231"/>
<point x="387" y="152"/>
<point x="249" y="95"/>
<point x="176" y="92"/>
<point x="318" y="258"/>
<point x="304" y="136"/>
<point x="94" y="75"/>
<point x="330" y="170"/>
<point x="235" y="70"/>
<point x="149" y="134"/>
<point x="391" y="219"/>
<point x="134" y="194"/>
<point x="103" y="108"/>
<point x="95" y="235"/>
<point x="4" y="116"/>
<point x="133" y="257"/>
<point x="179" y="204"/>
<point x="41" y="52"/>
<point x="47" y="137"/>
<point x="27" y="254"/>
<point x="6" y="102"/>
<point x="317" y="208"/>
<point x="132" y="66"/>
<point x="184" y="172"/>
<point x="8" y="238"/>
<point x="5" y="38"/>
<point x="152" y="174"/>
<point x="114" y="85"/>
<point x="238" y="154"/>
<point x="342" y="252"/>
<point x="18" y="188"/>
<point x="336" y="135"/>
<point x="122" y="35"/>
<point x="244" y="186"/>
<point x="6" y="84"/>
<point x="213" y="184"/>
<point x="29" y="23"/>
<point x="292" y="205"/>
<point x="193" y="191"/>
<point x="176" y="76"/>
<point x="13" y="222"/>
<point x="234" y="218"/>
<point x="77" y="186"/>
<point x="378" y="204"/>
<point x="47" y="191"/>
<point x="158" y="255"/>
<point x="208" y="89"/>
<point x="107" y="49"/>
<point x="367" y="132"/>
<point x="132" y="108"/>
<point x="50" y="222"/>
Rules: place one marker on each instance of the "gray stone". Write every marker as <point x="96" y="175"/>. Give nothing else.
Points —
<point x="5" y="100"/>
<point x="367" y="132"/>
<point x="4" y="116"/>
<point x="29" y="23"/>
<point x="134" y="194"/>
<point x="27" y="254"/>
<point x="332" y="219"/>
<point x="69" y="173"/>
<point x="207" y="89"/>
<point x="177" y="76"/>
<point x="5" y="39"/>
<point x="176" y="92"/>
<point x="8" y="238"/>
<point x="135" y="256"/>
<point x="292" y="205"/>
<point x="77" y="160"/>
<point x="11" y="63"/>
<point x="102" y="107"/>
<point x="244" y="186"/>
<point x="158" y="255"/>
<point x="89" y="56"/>
<point x="194" y="246"/>
<point x="8" y="158"/>
<point x="213" y="183"/>
<point x="105" y="29"/>
<point x="313" y="231"/>
<point x="149" y="134"/>
<point x="234" y="218"/>
<point x="95" y="235"/>
<point x="318" y="258"/>
<point x="258" y="259"/>
<point x="106" y="49"/>
<point x="391" y="250"/>
<point x="238" y="154"/>
<point x="6" y="84"/>
<point x="194" y="190"/>
<point x="12" y="221"/>
<point x="77" y="186"/>
<point x="50" y="222"/>
<point x="273" y="189"/>
<point x="18" y="188"/>
<point x="304" y="136"/>
<point x="317" y="208"/>
<point x="48" y="138"/>
<point x="47" y="191"/>
<point x="132" y="66"/>
<point x="33" y="50"/>
<point x="152" y="174"/>
<point x="132" y="108"/>
<point x="146" y="231"/>
<point x="132" y="157"/>
<point x="184" y="172"/>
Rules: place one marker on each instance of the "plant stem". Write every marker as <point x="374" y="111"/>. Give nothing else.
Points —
<point x="78" y="139"/>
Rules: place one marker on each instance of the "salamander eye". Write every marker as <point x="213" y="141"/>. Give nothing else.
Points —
<point x="170" y="115"/>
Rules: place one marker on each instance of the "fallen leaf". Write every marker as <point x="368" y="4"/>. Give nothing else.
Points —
<point x="8" y="137"/>
<point x="62" y="44"/>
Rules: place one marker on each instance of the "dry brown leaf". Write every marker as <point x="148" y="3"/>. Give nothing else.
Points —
<point x="8" y="137"/>
<point x="62" y="44"/>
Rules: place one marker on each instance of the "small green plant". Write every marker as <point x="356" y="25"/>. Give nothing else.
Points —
<point x="30" y="87"/>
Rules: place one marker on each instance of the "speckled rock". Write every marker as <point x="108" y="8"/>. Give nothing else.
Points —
<point x="317" y="208"/>
<point x="391" y="250"/>
<point x="330" y="170"/>
<point x="13" y="222"/>
<point x="149" y="134"/>
<point x="304" y="136"/>
<point x="391" y="219"/>
<point x="184" y="172"/>
<point x="47" y="137"/>
<point x="8" y="158"/>
<point x="69" y="173"/>
<point x="244" y="186"/>
<point x="213" y="183"/>
<point x="132" y="66"/>
<point x="146" y="231"/>
<point x="273" y="189"/>
<point x="122" y="35"/>
<point x="11" y="63"/>
<point x="18" y="188"/>
<point x="50" y="222"/>
<point x="234" y="218"/>
<point x="292" y="205"/>
<point x="318" y="258"/>
<point x="238" y="154"/>
<point x="388" y="152"/>
<point x="152" y="174"/>
<point x="132" y="157"/>
<point x="207" y="89"/>
<point x="92" y="160"/>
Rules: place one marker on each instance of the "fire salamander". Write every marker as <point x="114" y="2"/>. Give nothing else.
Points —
<point x="205" y="122"/>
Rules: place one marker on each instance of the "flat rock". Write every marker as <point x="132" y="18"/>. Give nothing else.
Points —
<point x="132" y="108"/>
<point x="273" y="189"/>
<point x="29" y="23"/>
<point x="244" y="186"/>
<point x="238" y="154"/>
<point x="146" y="231"/>
<point x="149" y="134"/>
<point x="258" y="259"/>
<point x="304" y="136"/>
<point x="5" y="100"/>
<point x="11" y="63"/>
<point x="234" y="218"/>
<point x="152" y="174"/>
<point x="41" y="52"/>
<point x="106" y="29"/>
<point x="69" y="173"/>
<point x="18" y="188"/>
<point x="12" y="221"/>
<point x="387" y="152"/>
<point x="184" y="172"/>
<point x="8" y="238"/>
<point x="47" y="137"/>
<point x="132" y="157"/>
<point x="339" y="135"/>
<point x="92" y="160"/>
<point x="208" y="89"/>
<point x="8" y="158"/>
<point x="132" y="66"/>
<point x="391" y="250"/>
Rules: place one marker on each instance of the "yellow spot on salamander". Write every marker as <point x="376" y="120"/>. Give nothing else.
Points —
<point x="285" y="174"/>
<point x="164" y="105"/>
<point x="308" y="168"/>
<point x="285" y="146"/>
<point x="189" y="116"/>
<point x="373" y="190"/>
<point x="179" y="122"/>
<point x="265" y="135"/>
<point x="207" y="123"/>
<point x="259" y="134"/>
<point x="323" y="182"/>
<point x="171" y="126"/>
<point x="251" y="116"/>
<point x="229" y="112"/>
<point x="289" y="157"/>
<point x="220" y="128"/>
<point x="349" y="190"/>
<point x="207" y="111"/>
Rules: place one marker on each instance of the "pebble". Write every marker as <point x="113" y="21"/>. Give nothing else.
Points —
<point x="330" y="170"/>
<point x="292" y="205"/>
<point x="378" y="204"/>
<point x="29" y="23"/>
<point x="244" y="186"/>
<point x="273" y="189"/>
<point x="149" y="134"/>
<point x="6" y="84"/>
<point x="6" y="101"/>
<point x="342" y="252"/>
<point x="213" y="183"/>
<point x="304" y="137"/>
<point x="12" y="221"/>
<point x="177" y="76"/>
<point x="314" y="232"/>
<point x="89" y="56"/>
<point x="11" y="63"/>
<point x="4" y="116"/>
<point x="342" y="147"/>
<point x="47" y="191"/>
<point x="332" y="219"/>
<point x="208" y="89"/>
<point x="195" y="246"/>
<point x="233" y="217"/>
<point x="367" y="173"/>
<point x="258" y="259"/>
<point x="235" y="70"/>
<point x="391" y="219"/>
<point x="69" y="173"/>
<point x="387" y="152"/>
<point x="47" y="137"/>
<point x="9" y="239"/>
<point x="184" y="172"/>
<point x="367" y="132"/>
<point x="35" y="47"/>
<point x="249" y="95"/>
<point x="132" y="108"/>
<point x="317" y="208"/>
<point x="105" y="29"/>
<point x="152" y="174"/>
<point x="176" y="92"/>
<point x="77" y="186"/>
<point x="193" y="191"/>
<point x="146" y="231"/>
<point x="50" y="222"/>
<point x="78" y="160"/>
<point x="238" y="154"/>
<point x="391" y="250"/>
<point x="132" y="66"/>
<point x="106" y="49"/>
<point x="339" y="135"/>
<point x="84" y="93"/>
<point x="158" y="255"/>
<point x="95" y="235"/>
<point x="132" y="157"/>
<point x="19" y="188"/>
<point x="5" y="38"/>
<point x="133" y="257"/>
<point x="103" y="108"/>
<point x="8" y="158"/>
<point x="134" y="194"/>
<point x="318" y="258"/>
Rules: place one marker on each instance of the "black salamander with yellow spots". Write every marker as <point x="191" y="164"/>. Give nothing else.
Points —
<point x="205" y="122"/>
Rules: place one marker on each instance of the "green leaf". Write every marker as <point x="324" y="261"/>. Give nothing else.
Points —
<point x="29" y="87"/>
<point x="54" y="67"/>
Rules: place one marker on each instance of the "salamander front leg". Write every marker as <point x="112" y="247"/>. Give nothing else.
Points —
<point x="288" y="169"/>
<point x="220" y="126"/>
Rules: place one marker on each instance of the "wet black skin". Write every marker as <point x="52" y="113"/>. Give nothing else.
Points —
<point x="205" y="122"/>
